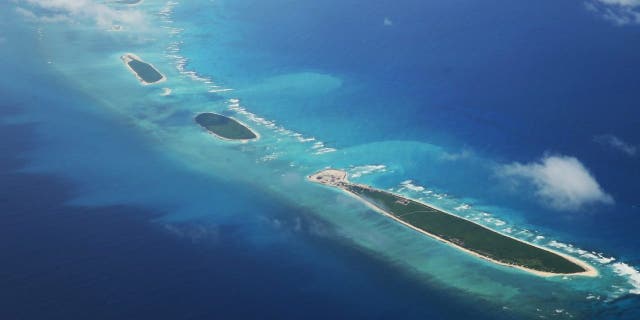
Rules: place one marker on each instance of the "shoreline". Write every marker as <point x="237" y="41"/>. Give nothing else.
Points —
<point x="128" y="4"/>
<point x="227" y="139"/>
<point x="128" y="57"/>
<point x="590" y="271"/>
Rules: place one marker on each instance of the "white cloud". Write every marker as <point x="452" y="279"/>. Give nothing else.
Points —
<point x="74" y="10"/>
<point x="620" y="12"/>
<point x="561" y="182"/>
<point x="387" y="22"/>
<point x="464" y="154"/>
<point x="622" y="2"/>
<point x="616" y="143"/>
<point x="28" y="14"/>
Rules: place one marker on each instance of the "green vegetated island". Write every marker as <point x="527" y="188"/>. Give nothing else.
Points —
<point x="145" y="72"/>
<point x="456" y="231"/>
<point x="225" y="128"/>
<point x="459" y="232"/>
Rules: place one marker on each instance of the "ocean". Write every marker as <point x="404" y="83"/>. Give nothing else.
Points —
<point x="115" y="204"/>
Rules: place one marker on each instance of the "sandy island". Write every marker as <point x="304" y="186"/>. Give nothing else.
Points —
<point x="255" y="133"/>
<point x="128" y="57"/>
<point x="339" y="179"/>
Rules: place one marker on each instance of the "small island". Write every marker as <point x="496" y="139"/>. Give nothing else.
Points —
<point x="145" y="72"/>
<point x="456" y="231"/>
<point x="128" y="2"/>
<point x="225" y="128"/>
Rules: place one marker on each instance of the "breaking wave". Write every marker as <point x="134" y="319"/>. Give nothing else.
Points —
<point x="359" y="171"/>
<point x="173" y="51"/>
<point x="627" y="272"/>
<point x="632" y="274"/>
<point x="317" y="147"/>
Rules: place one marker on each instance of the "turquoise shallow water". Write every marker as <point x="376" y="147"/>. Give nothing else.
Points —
<point x="310" y="114"/>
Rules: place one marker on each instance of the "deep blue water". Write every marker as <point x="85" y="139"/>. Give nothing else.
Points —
<point x="115" y="262"/>
<point x="114" y="206"/>
<point x="507" y="80"/>
<point x="64" y="261"/>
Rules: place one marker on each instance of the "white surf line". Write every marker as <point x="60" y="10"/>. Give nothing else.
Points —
<point x="173" y="50"/>
<point x="368" y="169"/>
<point x="318" y="146"/>
<point x="220" y="90"/>
<point x="590" y="270"/>
<point x="621" y="268"/>
<point x="626" y="271"/>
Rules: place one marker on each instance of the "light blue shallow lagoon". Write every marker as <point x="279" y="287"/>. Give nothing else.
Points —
<point x="115" y="204"/>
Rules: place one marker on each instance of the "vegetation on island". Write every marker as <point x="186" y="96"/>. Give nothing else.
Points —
<point x="225" y="127"/>
<point x="145" y="71"/>
<point x="465" y="233"/>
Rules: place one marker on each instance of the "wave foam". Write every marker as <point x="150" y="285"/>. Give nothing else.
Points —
<point x="269" y="157"/>
<point x="325" y="150"/>
<point x="408" y="184"/>
<point x="318" y="147"/>
<point x="360" y="171"/>
<point x="593" y="256"/>
<point x="166" y="92"/>
<point x="172" y="51"/>
<point x="598" y="257"/>
<point x="489" y="220"/>
<point x="495" y="221"/>
<point x="632" y="275"/>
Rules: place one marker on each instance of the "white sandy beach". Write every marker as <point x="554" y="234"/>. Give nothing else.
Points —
<point x="342" y="176"/>
<point x="128" y="57"/>
<point x="227" y="139"/>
